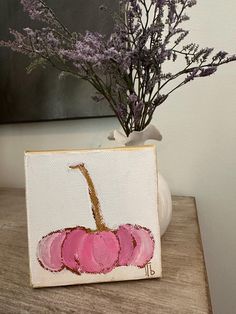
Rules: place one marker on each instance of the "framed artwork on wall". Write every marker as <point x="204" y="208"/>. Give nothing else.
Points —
<point x="42" y="96"/>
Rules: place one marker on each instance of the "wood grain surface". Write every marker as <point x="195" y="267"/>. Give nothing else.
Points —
<point x="182" y="290"/>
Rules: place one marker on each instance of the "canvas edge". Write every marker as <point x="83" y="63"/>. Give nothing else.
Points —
<point x="38" y="286"/>
<point x="27" y="215"/>
<point x="157" y="204"/>
<point x="85" y="150"/>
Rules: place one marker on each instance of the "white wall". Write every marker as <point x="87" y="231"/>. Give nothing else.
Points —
<point x="197" y="155"/>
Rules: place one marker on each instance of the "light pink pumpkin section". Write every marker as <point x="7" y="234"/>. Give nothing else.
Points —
<point x="49" y="251"/>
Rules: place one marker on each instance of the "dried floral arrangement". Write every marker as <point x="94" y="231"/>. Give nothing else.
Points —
<point x="127" y="69"/>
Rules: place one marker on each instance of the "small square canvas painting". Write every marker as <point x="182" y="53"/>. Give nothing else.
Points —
<point x="92" y="216"/>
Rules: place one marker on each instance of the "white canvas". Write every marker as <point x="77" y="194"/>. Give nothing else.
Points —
<point x="92" y="215"/>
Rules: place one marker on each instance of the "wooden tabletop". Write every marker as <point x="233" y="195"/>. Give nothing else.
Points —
<point x="182" y="290"/>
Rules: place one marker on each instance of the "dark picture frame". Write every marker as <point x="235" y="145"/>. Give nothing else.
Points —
<point x="41" y="95"/>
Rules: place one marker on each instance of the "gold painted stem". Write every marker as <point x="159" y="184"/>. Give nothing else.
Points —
<point x="96" y="208"/>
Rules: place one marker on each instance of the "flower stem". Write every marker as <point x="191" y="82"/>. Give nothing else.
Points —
<point x="96" y="208"/>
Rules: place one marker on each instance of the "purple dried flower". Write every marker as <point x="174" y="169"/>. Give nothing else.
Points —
<point x="191" y="76"/>
<point x="207" y="71"/>
<point x="133" y="98"/>
<point x="191" y="3"/>
<point x="38" y="10"/>
<point x="137" y="109"/>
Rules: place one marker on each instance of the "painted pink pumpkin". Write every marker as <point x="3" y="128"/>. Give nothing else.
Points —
<point x="136" y="245"/>
<point x="49" y="251"/>
<point x="84" y="251"/>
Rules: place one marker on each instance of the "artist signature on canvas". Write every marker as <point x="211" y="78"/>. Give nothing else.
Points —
<point x="82" y="250"/>
<point x="149" y="272"/>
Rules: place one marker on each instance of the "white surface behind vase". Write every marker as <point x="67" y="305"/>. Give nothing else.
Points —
<point x="197" y="155"/>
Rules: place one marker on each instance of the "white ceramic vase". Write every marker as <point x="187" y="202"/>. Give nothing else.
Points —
<point x="138" y="138"/>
